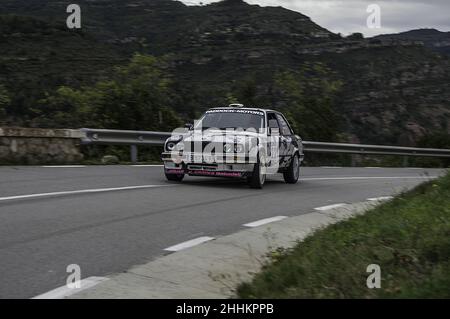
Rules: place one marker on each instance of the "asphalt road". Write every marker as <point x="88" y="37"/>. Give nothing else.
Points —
<point x="107" y="230"/>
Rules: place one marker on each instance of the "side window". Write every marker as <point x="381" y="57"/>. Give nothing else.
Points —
<point x="272" y="120"/>
<point x="284" y="126"/>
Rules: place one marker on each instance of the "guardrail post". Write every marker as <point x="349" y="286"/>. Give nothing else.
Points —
<point x="353" y="160"/>
<point x="134" y="154"/>
<point x="405" y="161"/>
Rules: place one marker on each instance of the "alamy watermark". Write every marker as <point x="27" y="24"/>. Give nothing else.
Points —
<point x="374" y="279"/>
<point x="374" y="19"/>
<point x="74" y="279"/>
<point x="74" y="19"/>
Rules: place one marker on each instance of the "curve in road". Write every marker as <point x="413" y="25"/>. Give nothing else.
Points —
<point x="108" y="218"/>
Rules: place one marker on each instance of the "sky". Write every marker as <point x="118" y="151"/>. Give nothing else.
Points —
<point x="349" y="16"/>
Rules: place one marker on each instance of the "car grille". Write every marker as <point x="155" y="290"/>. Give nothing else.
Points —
<point x="205" y="167"/>
<point x="214" y="147"/>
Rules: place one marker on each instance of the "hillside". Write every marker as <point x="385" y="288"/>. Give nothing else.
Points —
<point x="394" y="89"/>
<point x="431" y="38"/>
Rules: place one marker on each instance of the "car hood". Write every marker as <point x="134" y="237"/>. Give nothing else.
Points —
<point x="220" y="136"/>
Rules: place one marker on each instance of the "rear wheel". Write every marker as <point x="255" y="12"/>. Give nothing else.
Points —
<point x="174" y="177"/>
<point x="292" y="174"/>
<point x="258" y="177"/>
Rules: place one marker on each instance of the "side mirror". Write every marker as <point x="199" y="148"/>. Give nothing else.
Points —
<point x="189" y="126"/>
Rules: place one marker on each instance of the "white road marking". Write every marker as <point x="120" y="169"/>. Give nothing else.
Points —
<point x="328" y="207"/>
<point x="265" y="221"/>
<point x="149" y="165"/>
<point x="330" y="166"/>
<point x="189" y="243"/>
<point x="367" y="177"/>
<point x="372" y="167"/>
<point x="64" y="291"/>
<point x="382" y="198"/>
<point x="63" y="166"/>
<point x="82" y="191"/>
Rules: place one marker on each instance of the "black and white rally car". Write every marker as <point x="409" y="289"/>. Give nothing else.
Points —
<point x="235" y="141"/>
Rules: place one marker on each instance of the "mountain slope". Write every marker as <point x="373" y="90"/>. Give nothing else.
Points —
<point x="431" y="38"/>
<point x="395" y="89"/>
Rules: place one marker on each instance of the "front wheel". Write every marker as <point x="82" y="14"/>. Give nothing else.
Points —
<point x="292" y="174"/>
<point x="174" y="177"/>
<point x="258" y="177"/>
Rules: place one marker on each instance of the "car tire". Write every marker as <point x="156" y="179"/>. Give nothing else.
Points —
<point x="292" y="174"/>
<point x="258" y="177"/>
<point x="174" y="177"/>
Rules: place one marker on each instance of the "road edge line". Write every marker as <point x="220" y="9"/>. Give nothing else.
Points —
<point x="64" y="291"/>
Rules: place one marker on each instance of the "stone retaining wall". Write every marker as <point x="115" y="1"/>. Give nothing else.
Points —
<point x="39" y="146"/>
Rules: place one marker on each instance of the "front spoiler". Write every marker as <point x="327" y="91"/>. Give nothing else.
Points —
<point x="190" y="172"/>
<point x="192" y="158"/>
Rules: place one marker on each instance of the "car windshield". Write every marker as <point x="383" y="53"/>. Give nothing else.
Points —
<point x="232" y="119"/>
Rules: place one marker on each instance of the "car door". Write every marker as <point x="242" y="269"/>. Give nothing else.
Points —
<point x="273" y="141"/>
<point x="287" y="140"/>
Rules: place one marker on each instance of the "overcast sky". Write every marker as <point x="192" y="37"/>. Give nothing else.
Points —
<point x="348" y="16"/>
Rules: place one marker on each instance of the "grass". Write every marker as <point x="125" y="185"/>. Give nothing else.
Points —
<point x="408" y="237"/>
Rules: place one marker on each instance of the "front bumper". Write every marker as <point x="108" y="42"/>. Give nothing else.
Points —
<point x="196" y="165"/>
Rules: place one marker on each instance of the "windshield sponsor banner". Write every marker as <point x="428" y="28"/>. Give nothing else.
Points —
<point x="253" y="112"/>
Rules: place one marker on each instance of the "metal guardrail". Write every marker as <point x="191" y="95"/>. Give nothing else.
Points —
<point x="364" y="149"/>
<point x="149" y="138"/>
<point x="120" y="137"/>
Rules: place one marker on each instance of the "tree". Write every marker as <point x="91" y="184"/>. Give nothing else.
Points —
<point x="67" y="107"/>
<point x="307" y="97"/>
<point x="249" y="91"/>
<point x="136" y="96"/>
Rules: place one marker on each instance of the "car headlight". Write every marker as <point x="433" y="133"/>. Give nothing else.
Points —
<point x="171" y="146"/>
<point x="239" y="148"/>
<point x="228" y="148"/>
<point x="175" y="143"/>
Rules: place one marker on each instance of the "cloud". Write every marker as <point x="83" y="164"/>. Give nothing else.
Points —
<point x="350" y="15"/>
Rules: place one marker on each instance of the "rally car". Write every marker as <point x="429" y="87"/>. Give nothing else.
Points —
<point x="235" y="141"/>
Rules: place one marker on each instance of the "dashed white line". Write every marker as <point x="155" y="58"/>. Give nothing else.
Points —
<point x="381" y="198"/>
<point x="82" y="191"/>
<point x="264" y="221"/>
<point x="189" y="243"/>
<point x="64" y="291"/>
<point x="328" y="207"/>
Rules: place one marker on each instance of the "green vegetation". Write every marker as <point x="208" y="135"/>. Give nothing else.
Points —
<point x="308" y="100"/>
<point x="409" y="237"/>
<point x="37" y="57"/>
<point x="136" y="96"/>
<point x="143" y="95"/>
<point x="307" y="96"/>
